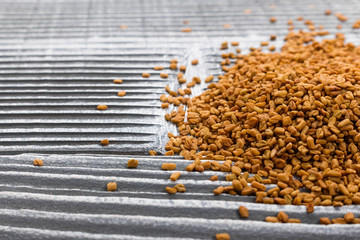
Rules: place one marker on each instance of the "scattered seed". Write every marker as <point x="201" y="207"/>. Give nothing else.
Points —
<point x="224" y="45"/>
<point x="209" y="78"/>
<point x="272" y="37"/>
<point x="325" y="221"/>
<point x="226" y="25"/>
<point x="152" y="153"/>
<point x="244" y="212"/>
<point x="111" y="186"/>
<point x="105" y="142"/>
<point x="195" y="62"/>
<point x="349" y="217"/>
<point x="158" y="68"/>
<point x="182" y="68"/>
<point x="341" y="17"/>
<point x="102" y="107"/>
<point x="187" y="30"/>
<point x="272" y="48"/>
<point x="168" y="166"/>
<point x="164" y="105"/>
<point x="214" y="178"/>
<point x="282" y="217"/>
<point x="38" y="162"/>
<point x="247" y="11"/>
<point x="175" y="176"/>
<point x="170" y="190"/>
<point x="132" y="163"/>
<point x="146" y="75"/>
<point x="234" y="44"/>
<point x="121" y="93"/>
<point x="327" y="12"/>
<point x="164" y="75"/>
<point x="222" y="236"/>
<point x="123" y="27"/>
<point x="118" y="81"/>
<point x="273" y="19"/>
<point x="180" y="187"/>
<point x="264" y="43"/>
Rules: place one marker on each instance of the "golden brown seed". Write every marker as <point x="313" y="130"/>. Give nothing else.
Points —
<point x="209" y="78"/>
<point x="264" y="43"/>
<point x="170" y="190"/>
<point x="121" y="93"/>
<point x="349" y="217"/>
<point x="152" y="153"/>
<point x="234" y="44"/>
<point x="310" y="207"/>
<point x="244" y="212"/>
<point x="338" y="221"/>
<point x="341" y="17"/>
<point x="214" y="178"/>
<point x="182" y="68"/>
<point x="38" y="162"/>
<point x="175" y="176"/>
<point x="118" y="81"/>
<point x="168" y="166"/>
<point x="146" y="75"/>
<point x="180" y="187"/>
<point x="272" y="37"/>
<point x="273" y="19"/>
<point x="164" y="75"/>
<point x="111" y="186"/>
<point x="328" y="12"/>
<point x="325" y="221"/>
<point x="272" y="219"/>
<point x="102" y="107"/>
<point x="222" y="236"/>
<point x="132" y="163"/>
<point x="219" y="190"/>
<point x="158" y="68"/>
<point x="282" y="217"/>
<point x="272" y="48"/>
<point x="187" y="30"/>
<point x="123" y="27"/>
<point x="164" y="105"/>
<point x="226" y="25"/>
<point x="104" y="142"/>
<point x="294" y="220"/>
<point x="195" y="62"/>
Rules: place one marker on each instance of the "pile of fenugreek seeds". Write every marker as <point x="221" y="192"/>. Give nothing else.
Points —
<point x="289" y="118"/>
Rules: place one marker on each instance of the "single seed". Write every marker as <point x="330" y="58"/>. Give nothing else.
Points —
<point x="132" y="163"/>
<point x="170" y="190"/>
<point x="282" y="217"/>
<point x="180" y="188"/>
<point x="328" y="12"/>
<point x="38" y="162"/>
<point x="219" y="190"/>
<point x="195" y="62"/>
<point x="272" y="37"/>
<point x="158" y="68"/>
<point x="152" y="153"/>
<point x="244" y="212"/>
<point x="273" y="19"/>
<point x="341" y="17"/>
<point x="111" y="186"/>
<point x="209" y="78"/>
<point x="234" y="44"/>
<point x="187" y="30"/>
<point x="264" y="43"/>
<point x="175" y="176"/>
<point x="272" y="219"/>
<point x="146" y="75"/>
<point x="105" y="142"/>
<point x="102" y="107"/>
<point x="164" y="105"/>
<point x="325" y="221"/>
<point x="118" y="81"/>
<point x="182" y="68"/>
<point x="121" y="93"/>
<point x="168" y="166"/>
<point x="349" y="217"/>
<point x="222" y="236"/>
<point x="164" y="75"/>
<point x="214" y="178"/>
<point x="226" y="25"/>
<point x="123" y="27"/>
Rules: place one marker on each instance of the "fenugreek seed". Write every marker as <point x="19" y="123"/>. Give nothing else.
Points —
<point x="338" y="221"/>
<point x="234" y="44"/>
<point x="258" y="186"/>
<point x="104" y="142"/>
<point x="328" y="12"/>
<point x="349" y="217"/>
<point x="282" y="217"/>
<point x="158" y="68"/>
<point x="152" y="153"/>
<point x="119" y="81"/>
<point x="264" y="43"/>
<point x="146" y="75"/>
<point x="209" y="78"/>
<point x="273" y="19"/>
<point x="272" y="48"/>
<point x="182" y="68"/>
<point x="190" y="167"/>
<point x="102" y="107"/>
<point x="180" y="187"/>
<point x="173" y="66"/>
<point x="271" y="219"/>
<point x="168" y="166"/>
<point x="325" y="221"/>
<point x="187" y="30"/>
<point x="310" y="207"/>
<point x="341" y="17"/>
<point x="123" y="27"/>
<point x="195" y="62"/>
<point x="244" y="212"/>
<point x="214" y="178"/>
<point x="294" y="220"/>
<point x="222" y="236"/>
<point x="219" y="190"/>
<point x="38" y="162"/>
<point x="121" y="93"/>
<point x="111" y="186"/>
<point x="132" y="163"/>
<point x="164" y="105"/>
<point x="164" y="75"/>
<point x="272" y="37"/>
<point x="170" y="190"/>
